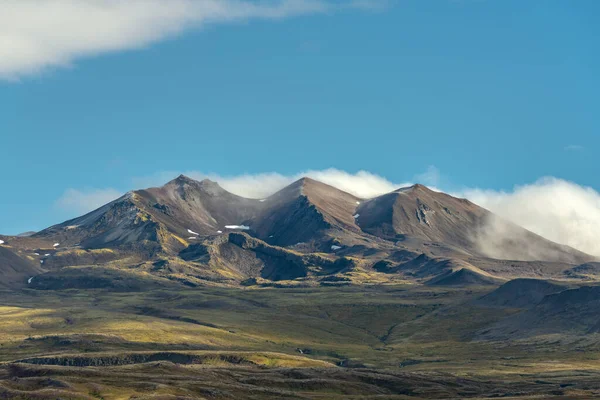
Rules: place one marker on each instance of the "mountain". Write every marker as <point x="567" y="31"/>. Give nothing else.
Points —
<point x="202" y="207"/>
<point x="418" y="212"/>
<point x="304" y="211"/>
<point x="464" y="277"/>
<point x="461" y="226"/>
<point x="157" y="219"/>
<point x="521" y="293"/>
<point x="567" y="312"/>
<point x="587" y="271"/>
<point x="187" y="209"/>
<point x="191" y="232"/>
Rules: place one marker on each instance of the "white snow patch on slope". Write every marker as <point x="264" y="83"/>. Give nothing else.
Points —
<point x="358" y="202"/>
<point x="192" y="232"/>
<point x="242" y="227"/>
<point x="192" y="238"/>
<point x="56" y="245"/>
<point x="29" y="280"/>
<point x="334" y="247"/>
<point x="356" y="216"/>
<point x="1" y="241"/>
<point x="219" y="231"/>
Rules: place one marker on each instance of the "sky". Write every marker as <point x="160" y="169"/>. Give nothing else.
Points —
<point x="493" y="100"/>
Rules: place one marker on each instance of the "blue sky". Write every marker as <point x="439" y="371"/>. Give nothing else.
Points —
<point x="479" y="94"/>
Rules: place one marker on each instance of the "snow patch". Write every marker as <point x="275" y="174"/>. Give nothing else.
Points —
<point x="37" y="254"/>
<point x="334" y="247"/>
<point x="192" y="232"/>
<point x="41" y="261"/>
<point x="192" y="238"/>
<point x="219" y="231"/>
<point x="47" y="255"/>
<point x="56" y="245"/>
<point x="263" y="200"/>
<point x="29" y="280"/>
<point x="1" y="241"/>
<point x="242" y="227"/>
<point x="356" y="216"/>
<point x="358" y="202"/>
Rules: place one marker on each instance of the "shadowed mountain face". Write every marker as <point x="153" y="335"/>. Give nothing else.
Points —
<point x="521" y="293"/>
<point x="182" y="231"/>
<point x="573" y="311"/>
<point x="303" y="212"/>
<point x="14" y="269"/>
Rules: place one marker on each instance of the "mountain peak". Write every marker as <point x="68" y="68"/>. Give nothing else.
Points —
<point x="186" y="180"/>
<point x="303" y="182"/>
<point x="414" y="188"/>
<point x="418" y="186"/>
<point x="184" y="184"/>
<point x="297" y="187"/>
<point x="180" y="180"/>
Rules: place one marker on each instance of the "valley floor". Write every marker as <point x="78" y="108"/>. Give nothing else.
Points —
<point x="400" y="341"/>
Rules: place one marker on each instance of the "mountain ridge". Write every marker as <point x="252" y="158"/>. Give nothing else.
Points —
<point x="306" y="217"/>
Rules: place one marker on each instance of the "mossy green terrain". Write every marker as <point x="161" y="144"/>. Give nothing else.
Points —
<point x="368" y="341"/>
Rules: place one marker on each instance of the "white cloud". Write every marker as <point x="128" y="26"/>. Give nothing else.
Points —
<point x="574" y="147"/>
<point x="561" y="211"/>
<point x="431" y="177"/>
<point x="40" y="34"/>
<point x="77" y="202"/>
<point x="362" y="184"/>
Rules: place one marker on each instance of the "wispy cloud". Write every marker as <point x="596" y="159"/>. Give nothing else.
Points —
<point x="76" y="202"/>
<point x="39" y="34"/>
<point x="559" y="210"/>
<point x="362" y="183"/>
<point x="574" y="147"/>
<point x="431" y="177"/>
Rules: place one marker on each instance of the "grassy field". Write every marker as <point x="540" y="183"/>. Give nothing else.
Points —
<point x="408" y="341"/>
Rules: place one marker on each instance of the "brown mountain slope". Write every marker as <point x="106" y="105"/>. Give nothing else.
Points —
<point x="417" y="212"/>
<point x="202" y="207"/>
<point x="157" y="219"/>
<point x="15" y="270"/>
<point x="120" y="222"/>
<point x="304" y="211"/>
